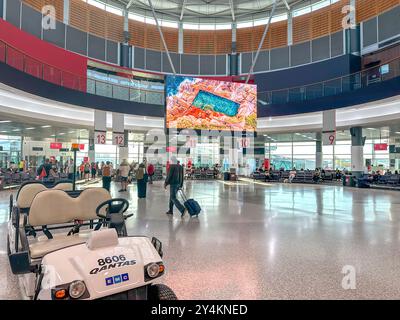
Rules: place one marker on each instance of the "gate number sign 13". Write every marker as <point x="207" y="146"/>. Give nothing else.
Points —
<point x="100" y="137"/>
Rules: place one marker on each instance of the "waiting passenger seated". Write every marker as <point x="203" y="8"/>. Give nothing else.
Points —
<point x="292" y="175"/>
<point x="316" y="176"/>
<point x="338" y="175"/>
<point x="269" y="175"/>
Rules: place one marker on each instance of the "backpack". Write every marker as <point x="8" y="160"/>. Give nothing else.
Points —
<point x="140" y="174"/>
<point x="106" y="171"/>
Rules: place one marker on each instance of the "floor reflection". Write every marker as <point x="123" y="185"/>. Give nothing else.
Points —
<point x="262" y="241"/>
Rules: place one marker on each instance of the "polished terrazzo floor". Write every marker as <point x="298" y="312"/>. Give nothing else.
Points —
<point x="265" y="241"/>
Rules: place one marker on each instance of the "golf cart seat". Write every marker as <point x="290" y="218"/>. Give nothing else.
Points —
<point x="30" y="189"/>
<point x="54" y="208"/>
<point x="43" y="245"/>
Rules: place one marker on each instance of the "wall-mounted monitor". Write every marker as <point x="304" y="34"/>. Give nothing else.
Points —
<point x="203" y="104"/>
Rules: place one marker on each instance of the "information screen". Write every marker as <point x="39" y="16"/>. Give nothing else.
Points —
<point x="201" y="104"/>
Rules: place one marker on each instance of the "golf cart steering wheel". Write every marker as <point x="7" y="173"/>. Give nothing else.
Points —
<point x="117" y="205"/>
<point x="115" y="217"/>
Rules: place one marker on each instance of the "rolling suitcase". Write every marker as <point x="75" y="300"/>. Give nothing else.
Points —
<point x="191" y="205"/>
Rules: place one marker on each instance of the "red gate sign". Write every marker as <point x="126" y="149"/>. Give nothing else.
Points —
<point x="380" y="147"/>
<point x="55" y="145"/>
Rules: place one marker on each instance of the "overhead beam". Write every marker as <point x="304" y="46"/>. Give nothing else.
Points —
<point x="232" y="10"/>
<point x="129" y="4"/>
<point x="162" y="36"/>
<point x="286" y="4"/>
<point x="182" y="10"/>
<point x="262" y="41"/>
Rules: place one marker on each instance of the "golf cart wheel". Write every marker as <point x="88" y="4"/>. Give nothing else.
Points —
<point x="161" y="292"/>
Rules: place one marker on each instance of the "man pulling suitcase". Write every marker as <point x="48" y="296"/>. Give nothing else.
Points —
<point x="175" y="181"/>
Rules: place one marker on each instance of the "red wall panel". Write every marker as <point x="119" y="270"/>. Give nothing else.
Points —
<point x="42" y="51"/>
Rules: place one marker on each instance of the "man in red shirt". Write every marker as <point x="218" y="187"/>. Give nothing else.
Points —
<point x="150" y="172"/>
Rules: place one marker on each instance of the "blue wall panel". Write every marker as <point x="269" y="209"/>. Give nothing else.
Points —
<point x="311" y="73"/>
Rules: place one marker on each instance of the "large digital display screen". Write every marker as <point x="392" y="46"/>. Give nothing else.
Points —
<point x="201" y="104"/>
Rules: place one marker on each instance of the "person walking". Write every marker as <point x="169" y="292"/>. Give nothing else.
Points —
<point x="175" y="181"/>
<point x="141" y="181"/>
<point x="150" y="172"/>
<point x="69" y="169"/>
<point x="124" y="169"/>
<point x="86" y="170"/>
<point x="81" y="170"/>
<point x="106" y="170"/>
<point x="94" y="170"/>
<point x="46" y="166"/>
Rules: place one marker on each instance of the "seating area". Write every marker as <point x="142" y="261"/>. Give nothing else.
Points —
<point x="11" y="179"/>
<point x="302" y="176"/>
<point x="201" y="174"/>
<point x="387" y="181"/>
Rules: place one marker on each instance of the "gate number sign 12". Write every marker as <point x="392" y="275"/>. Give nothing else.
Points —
<point x="119" y="139"/>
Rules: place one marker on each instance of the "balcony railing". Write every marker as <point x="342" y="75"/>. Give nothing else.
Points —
<point x="366" y="78"/>
<point x="332" y="87"/>
<point x="23" y="62"/>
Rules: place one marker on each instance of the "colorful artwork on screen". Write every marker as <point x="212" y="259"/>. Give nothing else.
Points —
<point x="202" y="104"/>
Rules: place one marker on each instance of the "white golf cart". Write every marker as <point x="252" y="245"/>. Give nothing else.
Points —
<point x="95" y="259"/>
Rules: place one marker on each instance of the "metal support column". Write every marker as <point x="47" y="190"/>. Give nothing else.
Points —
<point x="162" y="36"/>
<point x="262" y="41"/>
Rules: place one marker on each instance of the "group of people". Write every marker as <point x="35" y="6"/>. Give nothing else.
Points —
<point x="144" y="173"/>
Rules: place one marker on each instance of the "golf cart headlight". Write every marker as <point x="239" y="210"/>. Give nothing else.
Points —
<point x="77" y="289"/>
<point x="153" y="270"/>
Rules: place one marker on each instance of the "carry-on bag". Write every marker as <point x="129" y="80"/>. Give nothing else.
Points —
<point x="192" y="206"/>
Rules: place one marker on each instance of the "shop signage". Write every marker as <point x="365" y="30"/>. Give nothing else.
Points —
<point x="171" y="149"/>
<point x="78" y="146"/>
<point x="380" y="147"/>
<point x="37" y="149"/>
<point x="55" y="145"/>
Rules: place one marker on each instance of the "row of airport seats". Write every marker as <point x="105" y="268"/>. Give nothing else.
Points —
<point x="16" y="177"/>
<point x="9" y="178"/>
<point x="302" y="176"/>
<point x="198" y="174"/>
<point x="387" y="181"/>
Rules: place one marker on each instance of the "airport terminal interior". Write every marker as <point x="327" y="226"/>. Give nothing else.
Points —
<point x="199" y="150"/>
